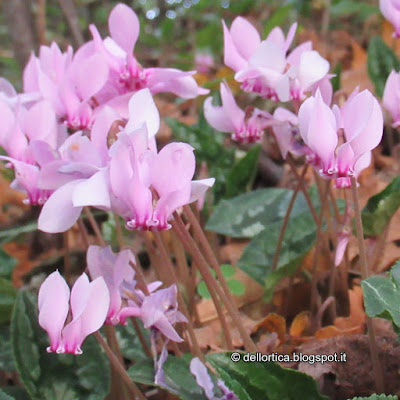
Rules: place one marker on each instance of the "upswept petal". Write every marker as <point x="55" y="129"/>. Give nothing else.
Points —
<point x="364" y="109"/>
<point x="245" y="37"/>
<point x="232" y="58"/>
<point x="232" y="111"/>
<point x="142" y="109"/>
<point x="90" y="76"/>
<point x="199" y="187"/>
<point x="40" y="123"/>
<point x="93" y="191"/>
<point x="172" y="168"/>
<point x="318" y="128"/>
<point x="58" y="213"/>
<point x="91" y="318"/>
<point x="53" y="308"/>
<point x="217" y="117"/>
<point x="312" y="68"/>
<point x="124" y="27"/>
<point x="269" y="55"/>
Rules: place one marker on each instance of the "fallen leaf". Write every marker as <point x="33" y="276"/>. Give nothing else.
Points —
<point x="273" y="323"/>
<point x="300" y="324"/>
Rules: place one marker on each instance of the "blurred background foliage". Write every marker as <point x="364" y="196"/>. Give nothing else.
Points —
<point x="173" y="31"/>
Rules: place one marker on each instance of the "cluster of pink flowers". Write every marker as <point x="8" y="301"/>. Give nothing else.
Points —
<point x="337" y="141"/>
<point x="58" y="133"/>
<point x="110" y="298"/>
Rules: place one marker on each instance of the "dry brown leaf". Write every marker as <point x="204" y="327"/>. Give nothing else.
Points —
<point x="300" y="324"/>
<point x="327" y="332"/>
<point x="356" y="320"/>
<point x="273" y="323"/>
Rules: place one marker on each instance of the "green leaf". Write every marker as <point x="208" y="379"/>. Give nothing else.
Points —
<point x="350" y="7"/>
<point x="381" y="61"/>
<point x="7" y="235"/>
<point x="242" y="175"/>
<point x="4" y="396"/>
<point x="382" y="296"/>
<point x="6" y="357"/>
<point x="247" y="215"/>
<point x="377" y="397"/>
<point x="228" y="271"/>
<point x="277" y="18"/>
<point x="380" y="209"/>
<point x="8" y="294"/>
<point x="17" y="392"/>
<point x="335" y="81"/>
<point x="7" y="264"/>
<point x="54" y="376"/>
<point x="258" y="256"/>
<point x="203" y="291"/>
<point x="177" y="376"/>
<point x="129" y="342"/>
<point x="236" y="287"/>
<point x="264" y="380"/>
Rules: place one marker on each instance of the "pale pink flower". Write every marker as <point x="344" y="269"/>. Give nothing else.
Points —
<point x="341" y="139"/>
<point x="265" y="68"/>
<point x="391" y="11"/>
<point x="391" y="97"/>
<point x="126" y="74"/>
<point x="115" y="269"/>
<point x="87" y="302"/>
<point x="230" y="118"/>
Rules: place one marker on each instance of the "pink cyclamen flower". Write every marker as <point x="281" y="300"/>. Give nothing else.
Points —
<point x="204" y="62"/>
<point x="391" y="97"/>
<point x="147" y="187"/>
<point x="115" y="269"/>
<point x="287" y="134"/>
<point x="391" y="11"/>
<point x="88" y="303"/>
<point x="263" y="67"/>
<point x="341" y="139"/>
<point x="230" y="118"/>
<point x="126" y="74"/>
<point x="68" y="81"/>
<point x="160" y="311"/>
<point x="22" y="128"/>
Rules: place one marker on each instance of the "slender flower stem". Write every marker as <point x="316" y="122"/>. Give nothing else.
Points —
<point x="303" y="188"/>
<point x="286" y="219"/>
<point x="209" y="253"/>
<point x="67" y="258"/>
<point x="210" y="281"/>
<point x="378" y="374"/>
<point x="84" y="233"/>
<point x="95" y="226"/>
<point x="141" y="336"/>
<point x="118" y="231"/>
<point x="181" y="301"/>
<point x="120" y="368"/>
<point x="318" y="244"/>
<point x="117" y="390"/>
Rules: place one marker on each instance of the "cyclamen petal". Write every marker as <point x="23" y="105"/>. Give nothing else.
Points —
<point x="124" y="27"/>
<point x="53" y="308"/>
<point x="91" y="313"/>
<point x="114" y="269"/>
<point x="58" y="213"/>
